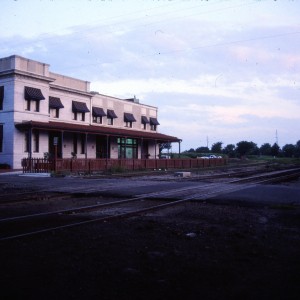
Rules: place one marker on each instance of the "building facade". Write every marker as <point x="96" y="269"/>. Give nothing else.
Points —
<point x="48" y="114"/>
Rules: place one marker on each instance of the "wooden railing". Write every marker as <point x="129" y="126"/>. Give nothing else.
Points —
<point x="39" y="165"/>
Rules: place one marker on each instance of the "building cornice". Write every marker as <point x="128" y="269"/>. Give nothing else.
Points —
<point x="14" y="72"/>
<point x="69" y="90"/>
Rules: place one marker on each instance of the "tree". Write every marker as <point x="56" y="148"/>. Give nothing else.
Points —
<point x="202" y="150"/>
<point x="275" y="149"/>
<point x="229" y="150"/>
<point x="216" y="147"/>
<point x="244" y="147"/>
<point x="265" y="149"/>
<point x="163" y="146"/>
<point x="289" y="150"/>
<point x="297" y="149"/>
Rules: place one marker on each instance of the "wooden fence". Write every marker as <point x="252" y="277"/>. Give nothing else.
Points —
<point x="39" y="165"/>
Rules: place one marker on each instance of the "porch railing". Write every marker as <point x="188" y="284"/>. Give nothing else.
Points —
<point x="39" y="165"/>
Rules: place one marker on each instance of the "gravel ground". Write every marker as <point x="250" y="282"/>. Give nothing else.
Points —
<point x="211" y="250"/>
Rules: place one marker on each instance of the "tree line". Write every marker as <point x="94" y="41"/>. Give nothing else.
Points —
<point x="248" y="148"/>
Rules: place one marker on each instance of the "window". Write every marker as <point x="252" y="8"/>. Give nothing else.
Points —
<point x="127" y="148"/>
<point x="54" y="112"/>
<point x="128" y="124"/>
<point x="144" y="121"/>
<point x="82" y="116"/>
<point x="54" y="106"/>
<point x="110" y="121"/>
<point x="35" y="95"/>
<point x="97" y="120"/>
<point x="98" y="114"/>
<point x="27" y="104"/>
<point x="111" y="115"/>
<point x="153" y="124"/>
<point x="1" y="138"/>
<point x="79" y="107"/>
<point x="36" y="140"/>
<point x="153" y="127"/>
<point x="128" y="119"/>
<point x="37" y="106"/>
<point x="1" y="97"/>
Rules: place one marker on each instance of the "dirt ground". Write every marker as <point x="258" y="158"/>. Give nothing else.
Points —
<point x="195" y="251"/>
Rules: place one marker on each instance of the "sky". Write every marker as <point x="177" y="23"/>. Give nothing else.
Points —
<point x="218" y="71"/>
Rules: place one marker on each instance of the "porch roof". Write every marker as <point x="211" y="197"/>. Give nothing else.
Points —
<point x="93" y="129"/>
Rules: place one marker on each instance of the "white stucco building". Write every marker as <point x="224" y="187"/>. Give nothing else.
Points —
<point x="39" y="108"/>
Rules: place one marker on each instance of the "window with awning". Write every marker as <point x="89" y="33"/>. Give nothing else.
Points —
<point x="55" y="102"/>
<point x="98" y="112"/>
<point x="153" y="123"/>
<point x="111" y="114"/>
<point x="129" y="117"/>
<point x="145" y="120"/>
<point x="33" y="94"/>
<point x="79" y="107"/>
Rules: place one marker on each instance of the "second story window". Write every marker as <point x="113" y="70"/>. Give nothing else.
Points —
<point x="129" y="119"/>
<point x="111" y="115"/>
<point x="153" y="124"/>
<point x="98" y="114"/>
<point x="1" y="97"/>
<point x="79" y="108"/>
<point x="35" y="96"/>
<point x="54" y="106"/>
<point x="144" y="121"/>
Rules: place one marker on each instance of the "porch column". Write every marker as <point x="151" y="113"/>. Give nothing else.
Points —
<point x="155" y="144"/>
<point x="107" y="142"/>
<point x="62" y="144"/>
<point x="124" y="148"/>
<point x="179" y="144"/>
<point x="85" y="145"/>
<point x="30" y="143"/>
<point x="142" y="144"/>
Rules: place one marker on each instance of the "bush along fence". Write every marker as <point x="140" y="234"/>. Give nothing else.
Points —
<point x="41" y="165"/>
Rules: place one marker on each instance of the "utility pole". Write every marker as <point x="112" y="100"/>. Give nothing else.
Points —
<point x="276" y="137"/>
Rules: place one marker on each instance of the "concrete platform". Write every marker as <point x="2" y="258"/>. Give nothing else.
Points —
<point x="182" y="174"/>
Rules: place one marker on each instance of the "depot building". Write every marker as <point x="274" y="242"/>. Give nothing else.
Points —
<point x="46" y="114"/>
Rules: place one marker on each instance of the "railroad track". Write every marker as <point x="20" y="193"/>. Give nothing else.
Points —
<point x="33" y="224"/>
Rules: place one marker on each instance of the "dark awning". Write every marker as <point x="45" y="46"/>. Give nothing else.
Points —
<point x="55" y="102"/>
<point x="111" y="114"/>
<point x="98" y="112"/>
<point x="1" y="93"/>
<point x="145" y="120"/>
<point x="33" y="94"/>
<point x="153" y="121"/>
<point x="129" y="117"/>
<point x="79" y="107"/>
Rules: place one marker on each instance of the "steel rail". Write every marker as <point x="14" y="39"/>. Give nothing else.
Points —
<point x="144" y="210"/>
<point x="144" y="196"/>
